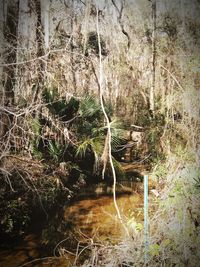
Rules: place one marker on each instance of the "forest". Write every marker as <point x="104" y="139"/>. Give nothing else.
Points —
<point x="99" y="133"/>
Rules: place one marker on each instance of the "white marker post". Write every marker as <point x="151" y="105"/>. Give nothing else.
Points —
<point x="146" y="223"/>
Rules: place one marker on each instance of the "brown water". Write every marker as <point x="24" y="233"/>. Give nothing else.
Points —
<point x="91" y="219"/>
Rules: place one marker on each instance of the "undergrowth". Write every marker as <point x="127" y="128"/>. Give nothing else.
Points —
<point x="174" y="232"/>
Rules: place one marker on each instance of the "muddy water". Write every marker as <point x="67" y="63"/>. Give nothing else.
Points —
<point x="91" y="218"/>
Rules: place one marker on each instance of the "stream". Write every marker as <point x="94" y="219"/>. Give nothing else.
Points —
<point x="91" y="216"/>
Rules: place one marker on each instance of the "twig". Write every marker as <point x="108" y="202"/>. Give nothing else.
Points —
<point x="39" y="259"/>
<point x="36" y="190"/>
<point x="43" y="57"/>
<point x="22" y="159"/>
<point x="139" y="127"/>
<point x="173" y="77"/>
<point x="7" y="174"/>
<point x="54" y="250"/>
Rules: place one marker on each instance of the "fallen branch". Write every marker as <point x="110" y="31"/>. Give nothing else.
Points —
<point x="23" y="159"/>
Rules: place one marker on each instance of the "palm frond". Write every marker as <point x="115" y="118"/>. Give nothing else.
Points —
<point x="97" y="145"/>
<point x="35" y="126"/>
<point x="94" y="145"/>
<point x="117" y="134"/>
<point x="118" y="168"/>
<point x="89" y="107"/>
<point x="59" y="106"/>
<point x="82" y="148"/>
<point x="54" y="150"/>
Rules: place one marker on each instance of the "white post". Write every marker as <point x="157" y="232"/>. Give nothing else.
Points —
<point x="146" y="223"/>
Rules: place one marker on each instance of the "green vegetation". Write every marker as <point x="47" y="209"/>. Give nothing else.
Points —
<point x="54" y="137"/>
<point x="63" y="158"/>
<point x="28" y="196"/>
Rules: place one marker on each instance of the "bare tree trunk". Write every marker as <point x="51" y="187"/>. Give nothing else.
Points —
<point x="26" y="49"/>
<point x="3" y="17"/>
<point x="86" y="24"/>
<point x="45" y="5"/>
<point x="152" y="89"/>
<point x="9" y="39"/>
<point x="72" y="59"/>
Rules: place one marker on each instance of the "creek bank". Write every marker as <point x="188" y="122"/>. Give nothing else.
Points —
<point x="89" y="218"/>
<point x="37" y="190"/>
<point x="66" y="200"/>
<point x="32" y="190"/>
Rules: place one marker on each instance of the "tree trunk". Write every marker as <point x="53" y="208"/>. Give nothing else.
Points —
<point x="152" y="90"/>
<point x="9" y="56"/>
<point x="3" y="17"/>
<point x="45" y="5"/>
<point x="26" y="50"/>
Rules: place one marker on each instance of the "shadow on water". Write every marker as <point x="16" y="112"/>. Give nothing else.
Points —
<point x="91" y="216"/>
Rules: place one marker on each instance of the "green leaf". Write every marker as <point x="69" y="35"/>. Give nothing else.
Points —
<point x="55" y="150"/>
<point x="89" y="107"/>
<point x="82" y="148"/>
<point x="154" y="249"/>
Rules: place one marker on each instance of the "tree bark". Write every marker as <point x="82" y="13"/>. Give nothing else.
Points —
<point x="152" y="89"/>
<point x="9" y="56"/>
<point x="3" y="17"/>
<point x="26" y="49"/>
<point x="45" y="6"/>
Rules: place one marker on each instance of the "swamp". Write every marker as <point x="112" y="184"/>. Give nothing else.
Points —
<point x="99" y="133"/>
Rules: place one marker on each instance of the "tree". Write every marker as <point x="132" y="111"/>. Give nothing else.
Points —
<point x="152" y="89"/>
<point x="26" y="49"/>
<point x="3" y="17"/>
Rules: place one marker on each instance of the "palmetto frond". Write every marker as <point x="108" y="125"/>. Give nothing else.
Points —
<point x="94" y="145"/>
<point x="55" y="150"/>
<point x="89" y="108"/>
<point x="117" y="133"/>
